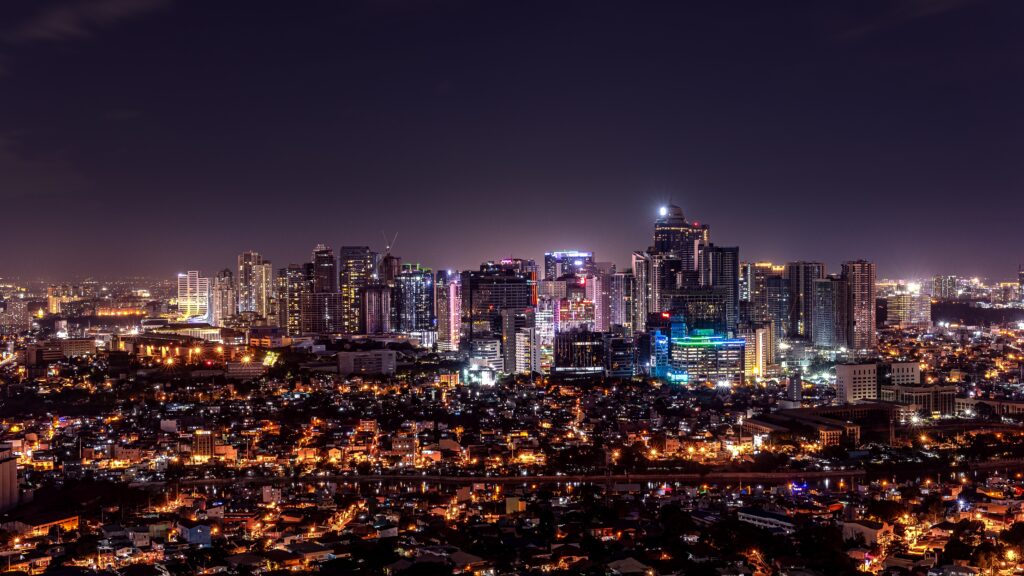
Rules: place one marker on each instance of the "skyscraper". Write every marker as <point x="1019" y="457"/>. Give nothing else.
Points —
<point x="622" y="295"/>
<point x="375" y="312"/>
<point x="801" y="277"/>
<point x="414" y="298"/>
<point x="448" y="308"/>
<point x="719" y="269"/>
<point x="357" y="270"/>
<point x="493" y="288"/>
<point x="860" y="280"/>
<point x="909" y="307"/>
<point x="193" y="297"/>
<point x="224" y="298"/>
<point x="561" y="263"/>
<point x="673" y="234"/>
<point x="828" y="330"/>
<point x="255" y="284"/>
<point x="641" y="266"/>
<point x="325" y="270"/>
<point x="293" y="283"/>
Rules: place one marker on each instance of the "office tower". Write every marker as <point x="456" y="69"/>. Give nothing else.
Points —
<point x="255" y="284"/>
<point x="448" y="307"/>
<point x="759" y="354"/>
<point x="702" y="308"/>
<point x="325" y="270"/>
<point x="704" y="356"/>
<point x="720" y="269"/>
<point x="860" y="285"/>
<point x="674" y="235"/>
<point x="641" y="266"/>
<point x="544" y="321"/>
<point x="193" y="297"/>
<point x="375" y="312"/>
<point x="909" y="307"/>
<point x="568" y="262"/>
<point x="519" y="345"/>
<point x="320" y="312"/>
<point x="621" y="295"/>
<point x="357" y="269"/>
<point x="493" y="288"/>
<point x="9" y="491"/>
<point x="414" y="298"/>
<point x="795" y="388"/>
<point x="575" y="314"/>
<point x="224" y="298"/>
<point x="597" y="289"/>
<point x="619" y="356"/>
<point x="856" y="382"/>
<point x="828" y="329"/>
<point x="801" y="277"/>
<point x="293" y="283"/>
<point x="579" y="354"/>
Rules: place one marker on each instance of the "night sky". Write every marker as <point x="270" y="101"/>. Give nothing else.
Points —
<point x="154" y="136"/>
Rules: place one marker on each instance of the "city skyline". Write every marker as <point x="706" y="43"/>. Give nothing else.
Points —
<point x="824" y="133"/>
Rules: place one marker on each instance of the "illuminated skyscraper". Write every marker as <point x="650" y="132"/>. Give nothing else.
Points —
<point x="828" y="329"/>
<point x="414" y="298"/>
<point x="223" y="298"/>
<point x="358" y="269"/>
<point x="720" y="269"/>
<point x="674" y="235"/>
<point x="293" y="283"/>
<point x="193" y="297"/>
<point x="448" y="307"/>
<point x="375" y="312"/>
<point x="519" y="344"/>
<point x="622" y="294"/>
<point x="801" y="277"/>
<point x="493" y="288"/>
<point x="325" y="270"/>
<point x="909" y="307"/>
<point x="860" y="280"/>
<point x="255" y="284"/>
<point x="641" y="265"/>
<point x="561" y="263"/>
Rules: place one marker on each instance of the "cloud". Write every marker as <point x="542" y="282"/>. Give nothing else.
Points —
<point x="75" y="19"/>
<point x="902" y="11"/>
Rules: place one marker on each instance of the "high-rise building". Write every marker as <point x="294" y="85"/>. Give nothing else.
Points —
<point x="293" y="284"/>
<point x="856" y="382"/>
<point x="325" y="270"/>
<point x="720" y="269"/>
<point x="702" y="308"/>
<point x="597" y="289"/>
<point x="801" y="277"/>
<point x="255" y="284"/>
<point x="15" y="316"/>
<point x="414" y="298"/>
<point x="448" y="307"/>
<point x="1020" y="282"/>
<point x="860" y="282"/>
<point x="493" y="288"/>
<point x="224" y="298"/>
<point x="358" y="266"/>
<point x="828" y="329"/>
<point x="946" y="287"/>
<point x="619" y="356"/>
<point x="758" y="348"/>
<point x="375" y="312"/>
<point x="704" y="356"/>
<point x="193" y="297"/>
<point x="520" y="348"/>
<point x="568" y="262"/>
<point x="388" y="269"/>
<point x="545" y="321"/>
<point x="579" y="354"/>
<point x="641" y="267"/>
<point x="321" y="313"/>
<point x="909" y="307"/>
<point x="622" y="295"/>
<point x="674" y="235"/>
